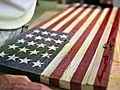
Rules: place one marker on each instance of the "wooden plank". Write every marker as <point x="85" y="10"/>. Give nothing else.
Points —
<point x="100" y="49"/>
<point x="57" y="60"/>
<point x="58" y="16"/>
<point x="104" y="69"/>
<point x="91" y="50"/>
<point x="70" y="14"/>
<point x="117" y="46"/>
<point x="47" y="14"/>
<point x="65" y="62"/>
<point x="108" y="88"/>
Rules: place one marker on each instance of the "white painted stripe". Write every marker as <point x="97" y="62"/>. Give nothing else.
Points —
<point x="97" y="57"/>
<point x="117" y="46"/>
<point x="72" y="25"/>
<point x="50" y="68"/>
<point x="58" y="17"/>
<point x="68" y="74"/>
<point x="95" y="63"/>
<point x="58" y="26"/>
<point x="87" y="87"/>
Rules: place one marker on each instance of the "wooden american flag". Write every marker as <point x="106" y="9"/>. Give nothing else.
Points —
<point x="84" y="62"/>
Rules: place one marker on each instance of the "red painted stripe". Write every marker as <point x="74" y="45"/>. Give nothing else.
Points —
<point x="74" y="18"/>
<point x="105" y="66"/>
<point x="54" y="16"/>
<point x="83" y="66"/>
<point x="61" y="19"/>
<point x="58" y="72"/>
<point x="80" y="23"/>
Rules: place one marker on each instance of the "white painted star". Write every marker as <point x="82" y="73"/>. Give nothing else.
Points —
<point x="48" y="39"/>
<point x="53" y="34"/>
<point x="31" y="43"/>
<point x="38" y="37"/>
<point x="2" y="54"/>
<point x="29" y="35"/>
<point x="46" y="55"/>
<point x="41" y="45"/>
<point x="21" y="41"/>
<point x="37" y="64"/>
<point x="52" y="48"/>
<point x="24" y="49"/>
<point x="13" y="57"/>
<point x="25" y="60"/>
<point x="34" y="52"/>
<point x="13" y="46"/>
<point x="36" y="31"/>
<point x="58" y="41"/>
<point x="63" y="36"/>
<point x="45" y="33"/>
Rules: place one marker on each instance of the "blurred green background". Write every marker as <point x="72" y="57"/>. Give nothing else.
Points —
<point x="43" y="6"/>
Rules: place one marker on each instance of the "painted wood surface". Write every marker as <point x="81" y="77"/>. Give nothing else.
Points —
<point x="88" y="64"/>
<point x="85" y="62"/>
